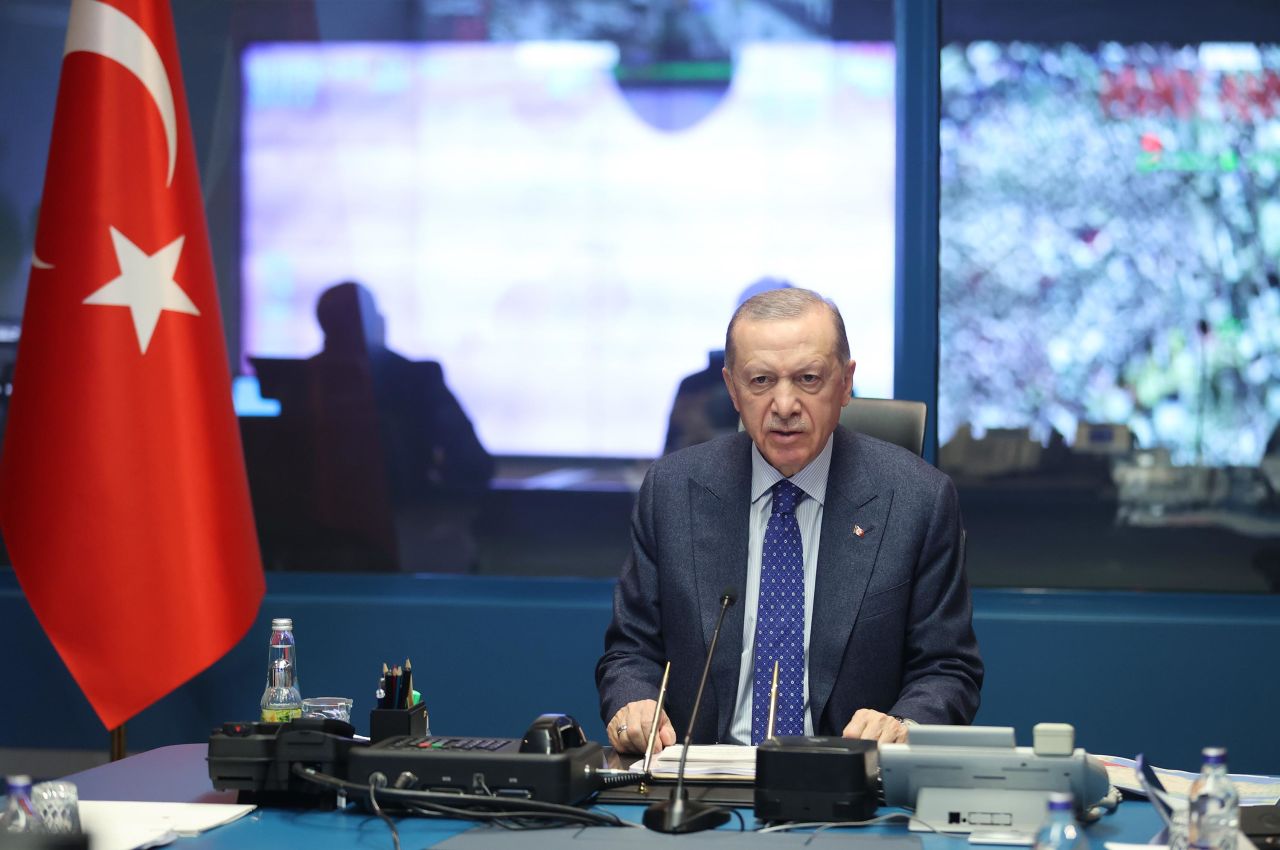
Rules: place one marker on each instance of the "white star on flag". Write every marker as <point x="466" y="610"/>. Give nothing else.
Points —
<point x="145" y="285"/>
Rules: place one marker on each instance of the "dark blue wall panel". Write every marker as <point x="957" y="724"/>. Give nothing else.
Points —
<point x="1159" y="673"/>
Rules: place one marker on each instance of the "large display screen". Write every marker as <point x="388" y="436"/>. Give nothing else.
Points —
<point x="567" y="246"/>
<point x="1110" y="244"/>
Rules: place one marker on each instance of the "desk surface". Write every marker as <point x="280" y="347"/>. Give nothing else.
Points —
<point x="180" y="774"/>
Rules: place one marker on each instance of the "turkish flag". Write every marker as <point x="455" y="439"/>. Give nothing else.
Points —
<point x="123" y="497"/>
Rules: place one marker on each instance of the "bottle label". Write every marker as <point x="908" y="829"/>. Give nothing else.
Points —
<point x="280" y="715"/>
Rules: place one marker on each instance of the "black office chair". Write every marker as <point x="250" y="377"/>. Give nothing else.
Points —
<point x="892" y="420"/>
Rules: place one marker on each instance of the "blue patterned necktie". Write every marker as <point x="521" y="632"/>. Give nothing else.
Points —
<point x="780" y="620"/>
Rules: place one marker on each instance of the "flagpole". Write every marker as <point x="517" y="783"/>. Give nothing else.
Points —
<point x="117" y="743"/>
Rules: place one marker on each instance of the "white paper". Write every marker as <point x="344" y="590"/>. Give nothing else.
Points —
<point x="1242" y="843"/>
<point x="126" y="825"/>
<point x="1253" y="790"/>
<point x="722" y="761"/>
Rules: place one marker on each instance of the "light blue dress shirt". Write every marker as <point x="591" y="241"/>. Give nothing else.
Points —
<point x="813" y="481"/>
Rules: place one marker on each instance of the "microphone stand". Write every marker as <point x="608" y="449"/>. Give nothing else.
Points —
<point x="679" y="814"/>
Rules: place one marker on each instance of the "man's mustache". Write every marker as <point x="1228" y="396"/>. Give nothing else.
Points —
<point x="796" y="424"/>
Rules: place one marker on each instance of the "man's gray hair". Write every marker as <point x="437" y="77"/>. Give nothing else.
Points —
<point x="781" y="304"/>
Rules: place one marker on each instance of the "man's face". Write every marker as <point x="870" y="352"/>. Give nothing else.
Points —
<point x="788" y="385"/>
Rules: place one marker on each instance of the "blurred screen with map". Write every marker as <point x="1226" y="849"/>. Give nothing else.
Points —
<point x="1110" y="276"/>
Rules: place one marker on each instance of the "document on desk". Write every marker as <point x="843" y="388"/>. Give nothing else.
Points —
<point x="1254" y="790"/>
<point x="728" y="762"/>
<point x="119" y="825"/>
<point x="606" y="838"/>
<point x="1242" y="843"/>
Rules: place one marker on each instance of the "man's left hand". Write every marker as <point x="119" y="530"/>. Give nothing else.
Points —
<point x="872" y="725"/>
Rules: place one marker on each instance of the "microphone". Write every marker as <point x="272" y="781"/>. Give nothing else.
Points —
<point x="679" y="814"/>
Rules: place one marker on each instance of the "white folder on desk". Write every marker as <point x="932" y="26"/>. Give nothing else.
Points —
<point x="127" y="825"/>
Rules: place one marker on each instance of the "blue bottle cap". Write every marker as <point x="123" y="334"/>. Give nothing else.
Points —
<point x="1060" y="801"/>
<point x="1214" y="755"/>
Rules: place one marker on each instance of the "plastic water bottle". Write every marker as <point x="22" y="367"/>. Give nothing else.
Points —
<point x="1060" y="830"/>
<point x="282" y="699"/>
<point x="19" y="815"/>
<point x="1214" y="814"/>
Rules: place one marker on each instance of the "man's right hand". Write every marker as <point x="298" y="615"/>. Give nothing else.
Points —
<point x="629" y="728"/>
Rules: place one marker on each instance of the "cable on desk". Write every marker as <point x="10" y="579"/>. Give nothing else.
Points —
<point x="469" y="806"/>
<point x="619" y="778"/>
<point x="821" y="826"/>
<point x="377" y="810"/>
<point x="508" y="820"/>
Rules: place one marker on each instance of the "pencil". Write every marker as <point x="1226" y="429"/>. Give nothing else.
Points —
<point x="773" y="701"/>
<point x="407" y="687"/>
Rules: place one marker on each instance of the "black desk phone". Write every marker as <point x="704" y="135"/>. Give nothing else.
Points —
<point x="553" y="761"/>
<point x="1261" y="824"/>
<point x="552" y="733"/>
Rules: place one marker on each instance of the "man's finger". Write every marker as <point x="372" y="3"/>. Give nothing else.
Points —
<point x="895" y="732"/>
<point x="666" y="733"/>
<point x="887" y="732"/>
<point x="637" y="734"/>
<point x="871" y="730"/>
<point x="620" y="729"/>
<point x="645" y="725"/>
<point x="857" y="724"/>
<point x="611" y="729"/>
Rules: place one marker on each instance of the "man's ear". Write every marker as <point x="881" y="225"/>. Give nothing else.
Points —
<point x="729" y="385"/>
<point x="848" y="381"/>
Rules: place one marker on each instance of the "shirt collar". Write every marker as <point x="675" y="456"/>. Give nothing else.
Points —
<point x="812" y="479"/>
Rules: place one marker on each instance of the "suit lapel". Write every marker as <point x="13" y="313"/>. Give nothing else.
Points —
<point x="719" y="504"/>
<point x="853" y="520"/>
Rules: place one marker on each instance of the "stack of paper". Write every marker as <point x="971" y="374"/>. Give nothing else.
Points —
<point x="1254" y="790"/>
<point x="127" y="825"/>
<point x="706" y="761"/>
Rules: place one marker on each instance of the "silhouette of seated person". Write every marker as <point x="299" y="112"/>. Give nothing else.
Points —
<point x="702" y="409"/>
<point x="394" y="471"/>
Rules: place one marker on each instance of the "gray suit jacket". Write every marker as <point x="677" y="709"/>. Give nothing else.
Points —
<point x="892" y="618"/>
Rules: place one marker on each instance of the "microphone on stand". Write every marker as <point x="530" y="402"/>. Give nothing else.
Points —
<point x="680" y="814"/>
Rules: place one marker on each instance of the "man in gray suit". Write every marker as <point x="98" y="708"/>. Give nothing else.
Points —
<point x="847" y="553"/>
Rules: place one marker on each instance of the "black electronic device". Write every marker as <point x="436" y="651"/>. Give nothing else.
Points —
<point x="483" y="766"/>
<point x="1261" y="824"/>
<point x="811" y="778"/>
<point x="263" y="761"/>
<point x="679" y="814"/>
<point x="257" y="759"/>
<point x="552" y="733"/>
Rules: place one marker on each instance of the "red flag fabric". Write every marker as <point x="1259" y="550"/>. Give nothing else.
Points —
<point x="123" y="497"/>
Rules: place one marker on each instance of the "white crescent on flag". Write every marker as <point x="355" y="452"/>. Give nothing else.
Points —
<point x="105" y="30"/>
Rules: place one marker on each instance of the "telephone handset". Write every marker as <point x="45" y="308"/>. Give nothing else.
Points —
<point x="552" y="733"/>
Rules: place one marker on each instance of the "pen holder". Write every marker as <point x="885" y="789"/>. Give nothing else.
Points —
<point x="397" y="722"/>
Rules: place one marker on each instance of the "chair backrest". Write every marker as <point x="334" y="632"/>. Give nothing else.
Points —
<point x="892" y="420"/>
